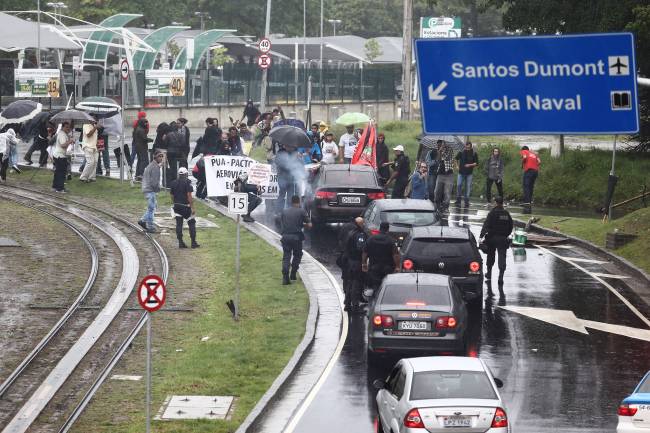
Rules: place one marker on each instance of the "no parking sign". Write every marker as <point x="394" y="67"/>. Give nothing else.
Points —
<point x="152" y="293"/>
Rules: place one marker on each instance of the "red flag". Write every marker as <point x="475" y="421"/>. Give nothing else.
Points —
<point x="365" y="153"/>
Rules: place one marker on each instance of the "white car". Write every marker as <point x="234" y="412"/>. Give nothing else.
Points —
<point x="634" y="411"/>
<point x="440" y="394"/>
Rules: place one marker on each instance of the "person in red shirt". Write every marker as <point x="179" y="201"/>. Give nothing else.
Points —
<point x="530" y="165"/>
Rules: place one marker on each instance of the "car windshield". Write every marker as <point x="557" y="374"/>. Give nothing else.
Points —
<point x="410" y="218"/>
<point x="446" y="248"/>
<point x="416" y="295"/>
<point x="644" y="387"/>
<point x="362" y="179"/>
<point x="451" y="384"/>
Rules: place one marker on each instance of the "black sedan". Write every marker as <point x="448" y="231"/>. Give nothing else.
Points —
<point x="340" y="192"/>
<point x="449" y="251"/>
<point x="417" y="314"/>
<point x="401" y="214"/>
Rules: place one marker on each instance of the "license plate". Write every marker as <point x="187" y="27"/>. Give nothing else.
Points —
<point x="351" y="200"/>
<point x="644" y="407"/>
<point x="457" y="421"/>
<point x="414" y="326"/>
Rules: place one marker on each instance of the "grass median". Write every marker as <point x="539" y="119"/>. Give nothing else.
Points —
<point x="594" y="230"/>
<point x="241" y="359"/>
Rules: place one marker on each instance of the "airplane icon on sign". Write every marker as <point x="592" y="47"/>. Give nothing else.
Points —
<point x="619" y="65"/>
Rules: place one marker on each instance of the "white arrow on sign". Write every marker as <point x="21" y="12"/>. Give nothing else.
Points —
<point x="566" y="319"/>
<point x="434" y="94"/>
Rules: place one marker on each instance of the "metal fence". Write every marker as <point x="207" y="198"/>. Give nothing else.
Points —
<point x="234" y="83"/>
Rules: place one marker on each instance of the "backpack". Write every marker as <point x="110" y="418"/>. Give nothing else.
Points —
<point x="359" y="241"/>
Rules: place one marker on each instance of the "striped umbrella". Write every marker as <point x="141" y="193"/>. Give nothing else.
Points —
<point x="99" y="106"/>
<point x="20" y="111"/>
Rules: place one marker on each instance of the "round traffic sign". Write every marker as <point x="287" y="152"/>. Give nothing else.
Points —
<point x="264" y="45"/>
<point x="152" y="293"/>
<point x="124" y="69"/>
<point x="264" y="61"/>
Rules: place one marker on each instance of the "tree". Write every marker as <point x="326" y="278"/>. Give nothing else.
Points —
<point x="219" y="57"/>
<point x="372" y="50"/>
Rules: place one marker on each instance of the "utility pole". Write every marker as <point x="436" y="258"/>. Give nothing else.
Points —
<point x="38" y="30"/>
<point x="320" y="81"/>
<point x="267" y="31"/>
<point x="407" y="50"/>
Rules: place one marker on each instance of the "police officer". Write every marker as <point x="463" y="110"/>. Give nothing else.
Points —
<point x="380" y="257"/>
<point x="354" y="247"/>
<point x="181" y="191"/>
<point x="242" y="185"/>
<point x="496" y="230"/>
<point x="292" y="221"/>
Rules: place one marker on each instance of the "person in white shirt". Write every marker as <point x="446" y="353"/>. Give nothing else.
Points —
<point x="7" y="142"/>
<point x="63" y="140"/>
<point x="347" y="143"/>
<point x="89" y="146"/>
<point x="330" y="149"/>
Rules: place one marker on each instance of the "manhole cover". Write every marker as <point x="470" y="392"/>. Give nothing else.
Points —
<point x="196" y="407"/>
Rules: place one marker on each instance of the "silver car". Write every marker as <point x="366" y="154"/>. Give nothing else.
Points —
<point x="440" y="394"/>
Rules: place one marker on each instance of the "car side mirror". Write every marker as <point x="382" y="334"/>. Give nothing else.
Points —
<point x="498" y="382"/>
<point x="379" y="384"/>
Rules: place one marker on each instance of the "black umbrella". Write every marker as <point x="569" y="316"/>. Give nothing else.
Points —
<point x="72" y="115"/>
<point x="31" y="127"/>
<point x="454" y="141"/>
<point x="20" y="111"/>
<point x="290" y="137"/>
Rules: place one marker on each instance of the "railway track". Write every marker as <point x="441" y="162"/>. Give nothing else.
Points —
<point x="53" y="384"/>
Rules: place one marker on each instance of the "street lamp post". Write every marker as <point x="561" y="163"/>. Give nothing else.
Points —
<point x="204" y="15"/>
<point x="57" y="6"/>
<point x="321" y="52"/>
<point x="267" y="31"/>
<point x="38" y="31"/>
<point x="334" y="23"/>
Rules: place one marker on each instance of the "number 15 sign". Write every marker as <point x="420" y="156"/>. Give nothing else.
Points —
<point x="238" y="203"/>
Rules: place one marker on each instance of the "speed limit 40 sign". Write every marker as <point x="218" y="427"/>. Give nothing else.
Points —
<point x="238" y="203"/>
<point x="264" y="46"/>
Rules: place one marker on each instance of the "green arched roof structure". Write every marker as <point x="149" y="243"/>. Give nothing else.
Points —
<point x="202" y="42"/>
<point x="157" y="40"/>
<point x="98" y="52"/>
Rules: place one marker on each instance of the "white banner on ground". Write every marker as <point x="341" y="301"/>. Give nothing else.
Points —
<point x="221" y="172"/>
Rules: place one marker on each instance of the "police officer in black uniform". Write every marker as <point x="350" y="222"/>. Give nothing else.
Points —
<point x="292" y="220"/>
<point x="496" y="230"/>
<point x="401" y="173"/>
<point x="354" y="247"/>
<point x="381" y="257"/>
<point x="181" y="191"/>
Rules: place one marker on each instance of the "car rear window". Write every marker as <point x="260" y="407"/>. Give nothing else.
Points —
<point x="451" y="384"/>
<point x="410" y="218"/>
<point x="403" y="294"/>
<point x="645" y="385"/>
<point x="441" y="247"/>
<point x="350" y="179"/>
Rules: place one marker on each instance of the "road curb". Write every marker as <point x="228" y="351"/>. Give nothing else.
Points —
<point x="273" y="393"/>
<point x="619" y="261"/>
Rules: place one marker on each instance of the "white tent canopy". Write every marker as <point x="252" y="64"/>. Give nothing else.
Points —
<point x="18" y="34"/>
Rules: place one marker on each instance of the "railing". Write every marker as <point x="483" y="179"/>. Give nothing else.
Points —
<point x="234" y="83"/>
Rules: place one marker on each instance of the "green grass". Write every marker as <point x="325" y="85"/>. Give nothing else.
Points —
<point x="594" y="230"/>
<point x="240" y="358"/>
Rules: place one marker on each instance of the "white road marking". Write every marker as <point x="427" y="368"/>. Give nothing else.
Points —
<point x="618" y="277"/>
<point x="337" y="352"/>
<point x="566" y="247"/>
<point x="567" y="319"/>
<point x="581" y="260"/>
<point x="603" y="282"/>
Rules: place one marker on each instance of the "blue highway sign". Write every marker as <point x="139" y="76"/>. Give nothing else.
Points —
<point x="576" y="84"/>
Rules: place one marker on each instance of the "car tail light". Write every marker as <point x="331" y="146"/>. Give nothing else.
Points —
<point x="326" y="195"/>
<point x="446" y="322"/>
<point x="413" y="419"/>
<point x="374" y="232"/>
<point x="500" y="418"/>
<point x="376" y="195"/>
<point x="382" y="321"/>
<point x="626" y="410"/>
<point x="474" y="267"/>
<point x="407" y="264"/>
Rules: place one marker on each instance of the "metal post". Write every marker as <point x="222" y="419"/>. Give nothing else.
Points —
<point x="406" y="60"/>
<point x="237" y="247"/>
<point x="38" y="31"/>
<point x="267" y="30"/>
<point x="124" y="90"/>
<point x="148" y="392"/>
<point x="295" y="77"/>
<point x="320" y="81"/>
<point x="612" y="173"/>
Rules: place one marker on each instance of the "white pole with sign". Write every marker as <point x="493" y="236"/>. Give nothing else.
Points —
<point x="237" y="204"/>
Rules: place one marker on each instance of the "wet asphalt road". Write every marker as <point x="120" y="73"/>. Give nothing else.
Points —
<point x="555" y="379"/>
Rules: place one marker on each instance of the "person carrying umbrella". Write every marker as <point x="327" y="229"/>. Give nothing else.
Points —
<point x="63" y="140"/>
<point x="91" y="153"/>
<point x="7" y="140"/>
<point x="40" y="143"/>
<point x="347" y="145"/>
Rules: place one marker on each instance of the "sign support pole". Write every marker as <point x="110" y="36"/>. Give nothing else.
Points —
<point x="148" y="386"/>
<point x="237" y="247"/>
<point x="612" y="173"/>
<point x="124" y="89"/>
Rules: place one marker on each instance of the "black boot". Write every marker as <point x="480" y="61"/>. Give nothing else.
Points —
<point x="195" y="245"/>
<point x="181" y="244"/>
<point x="285" y="280"/>
<point x="293" y="275"/>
